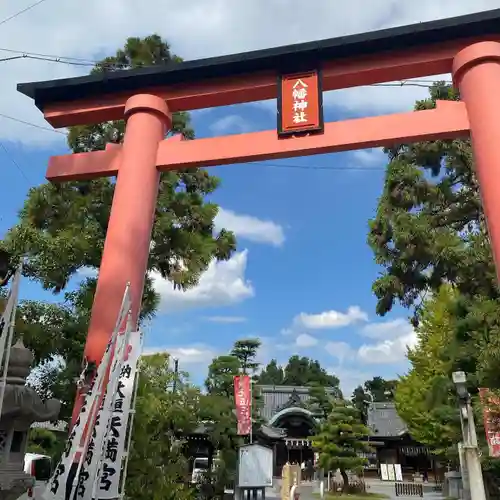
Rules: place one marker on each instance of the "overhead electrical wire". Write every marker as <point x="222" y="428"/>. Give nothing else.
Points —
<point x="14" y="162"/>
<point x="17" y="14"/>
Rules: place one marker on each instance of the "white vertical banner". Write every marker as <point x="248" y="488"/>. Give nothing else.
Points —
<point x="78" y="441"/>
<point x="123" y="316"/>
<point x="93" y="455"/>
<point x="57" y="485"/>
<point x="7" y="324"/>
<point x="116" y="445"/>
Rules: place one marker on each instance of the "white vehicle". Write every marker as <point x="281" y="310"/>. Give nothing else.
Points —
<point x="200" y="467"/>
<point x="40" y="467"/>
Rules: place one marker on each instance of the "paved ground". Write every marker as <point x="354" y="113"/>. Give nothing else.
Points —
<point x="307" y="491"/>
<point x="386" y="488"/>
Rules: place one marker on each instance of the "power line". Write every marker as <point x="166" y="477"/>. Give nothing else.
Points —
<point x="14" y="162"/>
<point x="13" y="16"/>
<point x="311" y="167"/>
<point x="29" y="124"/>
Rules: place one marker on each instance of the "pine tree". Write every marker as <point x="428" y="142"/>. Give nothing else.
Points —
<point x="341" y="440"/>
<point x="62" y="227"/>
<point x="246" y="351"/>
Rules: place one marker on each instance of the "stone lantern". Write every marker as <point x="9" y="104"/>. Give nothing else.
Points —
<point x="21" y="408"/>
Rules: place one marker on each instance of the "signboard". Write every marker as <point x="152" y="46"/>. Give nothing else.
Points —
<point x="398" y="471"/>
<point x="491" y="420"/>
<point x="383" y="472"/>
<point x="255" y="466"/>
<point x="390" y="472"/>
<point x="242" y="398"/>
<point x="300" y="104"/>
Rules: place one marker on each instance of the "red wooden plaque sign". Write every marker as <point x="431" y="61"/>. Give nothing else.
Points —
<point x="300" y="103"/>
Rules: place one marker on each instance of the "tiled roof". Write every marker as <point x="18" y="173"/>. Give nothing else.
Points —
<point x="384" y="420"/>
<point x="277" y="397"/>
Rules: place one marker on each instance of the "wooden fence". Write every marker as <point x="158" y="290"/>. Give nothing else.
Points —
<point x="409" y="489"/>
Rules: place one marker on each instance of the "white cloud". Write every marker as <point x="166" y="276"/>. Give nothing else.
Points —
<point x="187" y="355"/>
<point x="391" y="350"/>
<point x="393" y="338"/>
<point x="368" y="157"/>
<point x="306" y="340"/>
<point x="224" y="283"/>
<point x="330" y="319"/>
<point x="340" y="350"/>
<point x="387" y="329"/>
<point x="231" y="124"/>
<point x="250" y="228"/>
<point x="350" y="378"/>
<point x="87" y="272"/>
<point x="221" y="27"/>
<point x="193" y="358"/>
<point x="225" y="319"/>
<point x="378" y="100"/>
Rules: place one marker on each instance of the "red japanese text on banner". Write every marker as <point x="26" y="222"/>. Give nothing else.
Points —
<point x="242" y="398"/>
<point x="491" y="416"/>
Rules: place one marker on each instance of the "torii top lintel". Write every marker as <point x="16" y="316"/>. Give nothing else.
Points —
<point x="393" y="54"/>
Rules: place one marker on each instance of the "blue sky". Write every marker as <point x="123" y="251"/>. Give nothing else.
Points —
<point x="301" y="278"/>
<point x="301" y="251"/>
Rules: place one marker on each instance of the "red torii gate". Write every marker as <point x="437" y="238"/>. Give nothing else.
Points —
<point x="467" y="46"/>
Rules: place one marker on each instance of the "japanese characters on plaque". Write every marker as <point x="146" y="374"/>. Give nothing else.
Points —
<point x="300" y="106"/>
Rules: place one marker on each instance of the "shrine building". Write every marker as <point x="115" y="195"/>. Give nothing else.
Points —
<point x="289" y="423"/>
<point x="393" y="444"/>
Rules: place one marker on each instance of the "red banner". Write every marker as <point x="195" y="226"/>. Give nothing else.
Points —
<point x="491" y="412"/>
<point x="242" y="398"/>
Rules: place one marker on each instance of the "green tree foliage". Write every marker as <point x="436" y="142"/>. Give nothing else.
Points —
<point x="299" y="371"/>
<point x="246" y="351"/>
<point x="425" y="397"/>
<point x="272" y="374"/>
<point x="375" y="390"/>
<point x="360" y="400"/>
<point x="430" y="231"/>
<point x="46" y="442"/>
<point x="158" y="468"/>
<point x="341" y="437"/>
<point x="430" y="228"/>
<point x="379" y="389"/>
<point x="62" y="227"/>
<point x="221" y="373"/>
<point x="320" y="402"/>
<point x="55" y="333"/>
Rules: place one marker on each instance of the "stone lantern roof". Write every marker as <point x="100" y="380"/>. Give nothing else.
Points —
<point x="21" y="402"/>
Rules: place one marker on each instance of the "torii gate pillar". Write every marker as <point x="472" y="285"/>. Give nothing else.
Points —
<point x="476" y="72"/>
<point x="126" y="248"/>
